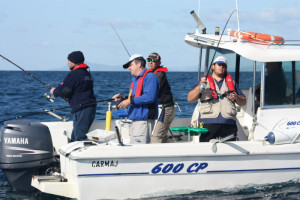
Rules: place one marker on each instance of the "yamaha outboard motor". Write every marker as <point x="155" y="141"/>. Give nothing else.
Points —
<point x="25" y="149"/>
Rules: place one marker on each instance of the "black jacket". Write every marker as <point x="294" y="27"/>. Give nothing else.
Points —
<point x="164" y="95"/>
<point x="77" y="87"/>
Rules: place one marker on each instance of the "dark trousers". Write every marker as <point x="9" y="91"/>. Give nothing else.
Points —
<point x="82" y="122"/>
<point x="218" y="130"/>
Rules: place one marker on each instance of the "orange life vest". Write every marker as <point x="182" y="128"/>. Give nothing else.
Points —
<point x="160" y="69"/>
<point x="83" y="66"/>
<point x="212" y="85"/>
<point x="139" y="87"/>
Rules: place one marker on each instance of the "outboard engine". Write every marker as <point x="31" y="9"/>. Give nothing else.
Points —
<point x="25" y="149"/>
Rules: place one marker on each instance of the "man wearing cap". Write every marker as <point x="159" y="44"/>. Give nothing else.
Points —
<point x="218" y="95"/>
<point x="165" y="99"/>
<point x="142" y="102"/>
<point x="77" y="88"/>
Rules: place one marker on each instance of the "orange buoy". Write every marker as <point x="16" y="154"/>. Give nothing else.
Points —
<point x="258" y="37"/>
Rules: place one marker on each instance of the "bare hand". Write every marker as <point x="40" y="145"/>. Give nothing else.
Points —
<point x="233" y="96"/>
<point x="203" y="81"/>
<point x="240" y="100"/>
<point x="124" y="104"/>
<point x="52" y="90"/>
<point x="117" y="97"/>
<point x="202" y="85"/>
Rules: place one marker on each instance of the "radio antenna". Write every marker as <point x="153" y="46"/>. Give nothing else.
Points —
<point x="238" y="18"/>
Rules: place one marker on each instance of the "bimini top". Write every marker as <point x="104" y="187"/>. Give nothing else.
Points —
<point x="253" y="50"/>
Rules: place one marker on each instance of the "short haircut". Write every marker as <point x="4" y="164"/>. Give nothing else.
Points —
<point x="140" y="60"/>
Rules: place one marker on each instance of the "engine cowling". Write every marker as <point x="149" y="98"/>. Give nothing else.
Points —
<point x="25" y="148"/>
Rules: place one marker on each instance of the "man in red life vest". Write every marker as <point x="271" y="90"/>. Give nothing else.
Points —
<point x="77" y="88"/>
<point x="165" y="99"/>
<point x="218" y="95"/>
<point x="142" y="102"/>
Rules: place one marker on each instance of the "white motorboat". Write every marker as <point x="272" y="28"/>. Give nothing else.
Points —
<point x="102" y="168"/>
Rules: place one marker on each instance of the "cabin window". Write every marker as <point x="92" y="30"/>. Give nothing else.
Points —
<point x="297" y="82"/>
<point x="282" y="83"/>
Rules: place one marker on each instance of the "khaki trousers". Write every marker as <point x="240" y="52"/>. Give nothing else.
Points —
<point x="160" y="132"/>
<point x="140" y="131"/>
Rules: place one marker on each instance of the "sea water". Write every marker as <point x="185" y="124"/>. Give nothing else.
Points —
<point x="21" y="95"/>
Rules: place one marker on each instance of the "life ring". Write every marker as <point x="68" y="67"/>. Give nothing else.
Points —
<point x="258" y="37"/>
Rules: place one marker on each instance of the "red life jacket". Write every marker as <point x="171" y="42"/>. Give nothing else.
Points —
<point x="212" y="85"/>
<point x="139" y="87"/>
<point x="84" y="66"/>
<point x="160" y="69"/>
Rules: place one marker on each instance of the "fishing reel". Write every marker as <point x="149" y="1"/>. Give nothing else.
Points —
<point x="114" y="107"/>
<point x="202" y="87"/>
<point x="49" y="97"/>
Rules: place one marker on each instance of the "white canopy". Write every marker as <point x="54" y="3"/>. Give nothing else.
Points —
<point x="250" y="50"/>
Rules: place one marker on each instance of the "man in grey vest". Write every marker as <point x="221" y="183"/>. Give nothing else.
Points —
<point x="218" y="99"/>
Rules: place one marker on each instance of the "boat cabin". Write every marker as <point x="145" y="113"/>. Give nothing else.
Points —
<point x="274" y="68"/>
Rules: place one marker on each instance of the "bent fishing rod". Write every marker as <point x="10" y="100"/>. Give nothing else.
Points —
<point x="26" y="72"/>
<point x="204" y="85"/>
<point x="47" y="96"/>
<point x="55" y="109"/>
<point x="119" y="38"/>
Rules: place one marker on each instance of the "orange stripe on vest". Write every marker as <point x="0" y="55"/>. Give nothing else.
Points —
<point x="160" y="69"/>
<point x="139" y="87"/>
<point x="212" y="85"/>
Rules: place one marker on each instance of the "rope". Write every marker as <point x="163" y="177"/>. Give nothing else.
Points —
<point x="219" y="140"/>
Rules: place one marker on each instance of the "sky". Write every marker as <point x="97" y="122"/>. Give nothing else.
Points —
<point x="39" y="34"/>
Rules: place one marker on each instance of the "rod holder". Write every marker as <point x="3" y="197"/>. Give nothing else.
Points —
<point x="199" y="22"/>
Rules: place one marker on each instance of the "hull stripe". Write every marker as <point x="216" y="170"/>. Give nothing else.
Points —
<point x="208" y="172"/>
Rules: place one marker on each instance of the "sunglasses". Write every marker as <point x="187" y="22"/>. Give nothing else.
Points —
<point x="222" y="64"/>
<point x="151" y="60"/>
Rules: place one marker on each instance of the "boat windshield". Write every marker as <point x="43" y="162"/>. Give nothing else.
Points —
<point x="281" y="79"/>
<point x="240" y="68"/>
<point x="282" y="83"/>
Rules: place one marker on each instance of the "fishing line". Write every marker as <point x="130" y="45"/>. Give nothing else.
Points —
<point x="26" y="72"/>
<point x="119" y="38"/>
<point x="55" y="109"/>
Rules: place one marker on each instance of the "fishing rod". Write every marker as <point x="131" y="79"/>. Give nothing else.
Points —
<point x="26" y="72"/>
<point x="47" y="96"/>
<point x="119" y="38"/>
<point x="203" y="85"/>
<point x="55" y="109"/>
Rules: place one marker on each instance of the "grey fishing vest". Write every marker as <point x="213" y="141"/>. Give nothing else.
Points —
<point x="211" y="109"/>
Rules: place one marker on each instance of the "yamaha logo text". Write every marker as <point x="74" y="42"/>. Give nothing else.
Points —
<point x="16" y="140"/>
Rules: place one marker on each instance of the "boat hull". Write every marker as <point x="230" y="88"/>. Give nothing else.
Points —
<point x="155" y="170"/>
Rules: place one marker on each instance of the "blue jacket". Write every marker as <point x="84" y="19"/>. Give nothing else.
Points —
<point x="77" y="87"/>
<point x="146" y="105"/>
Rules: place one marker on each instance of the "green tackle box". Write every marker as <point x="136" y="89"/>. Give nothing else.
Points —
<point x="197" y="131"/>
<point x="188" y="130"/>
<point x="180" y="129"/>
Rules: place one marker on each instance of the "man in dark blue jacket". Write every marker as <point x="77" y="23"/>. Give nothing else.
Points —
<point x="77" y="88"/>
